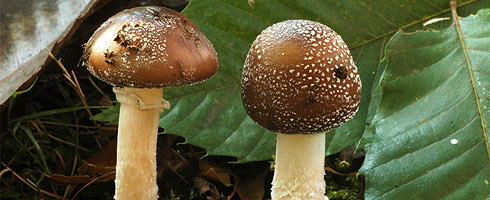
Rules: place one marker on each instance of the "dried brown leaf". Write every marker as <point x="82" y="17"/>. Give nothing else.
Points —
<point x="251" y="189"/>
<point x="217" y="174"/>
<point x="205" y="188"/>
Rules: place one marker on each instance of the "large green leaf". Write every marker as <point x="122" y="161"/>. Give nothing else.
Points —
<point x="429" y="138"/>
<point x="210" y="115"/>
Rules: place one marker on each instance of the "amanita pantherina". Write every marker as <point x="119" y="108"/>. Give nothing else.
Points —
<point x="140" y="51"/>
<point x="299" y="80"/>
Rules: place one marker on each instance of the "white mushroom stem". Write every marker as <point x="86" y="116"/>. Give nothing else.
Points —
<point x="136" y="176"/>
<point x="299" y="167"/>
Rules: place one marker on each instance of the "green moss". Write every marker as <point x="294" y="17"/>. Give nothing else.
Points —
<point x="344" y="194"/>
<point x="172" y="196"/>
<point x="342" y="187"/>
<point x="347" y="189"/>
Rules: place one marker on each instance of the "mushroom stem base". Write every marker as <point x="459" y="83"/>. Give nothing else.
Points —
<point x="136" y="146"/>
<point x="299" y="167"/>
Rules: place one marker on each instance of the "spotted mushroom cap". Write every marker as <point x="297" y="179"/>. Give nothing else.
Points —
<point x="299" y="78"/>
<point x="150" y="47"/>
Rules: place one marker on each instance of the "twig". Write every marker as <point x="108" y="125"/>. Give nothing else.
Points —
<point x="68" y="125"/>
<point x="92" y="181"/>
<point x="329" y="169"/>
<point x="56" y="138"/>
<point x="51" y="148"/>
<point x="31" y="185"/>
<point x="74" y="84"/>
<point x="68" y="187"/>
<point x="96" y="86"/>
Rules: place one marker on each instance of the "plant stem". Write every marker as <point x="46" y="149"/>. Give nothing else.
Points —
<point x="299" y="167"/>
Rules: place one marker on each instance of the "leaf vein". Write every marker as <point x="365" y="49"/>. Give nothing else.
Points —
<point x="479" y="50"/>
<point x="380" y="16"/>
<point x="440" y="60"/>
<point x="429" y="171"/>
<point x="411" y="24"/>
<point x="204" y="91"/>
<point x="430" y="45"/>
<point x="408" y="10"/>
<point x="433" y="5"/>
<point x="334" y="11"/>
<point x="447" y="81"/>
<point x="244" y="12"/>
<point x="188" y="114"/>
<point x="428" y="145"/>
<point x="258" y="141"/>
<point x="470" y="70"/>
<point x="223" y="31"/>
<point x="223" y="108"/>
<point x="471" y="178"/>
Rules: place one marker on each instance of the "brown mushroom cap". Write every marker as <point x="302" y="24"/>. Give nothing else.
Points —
<point x="299" y="78"/>
<point x="150" y="47"/>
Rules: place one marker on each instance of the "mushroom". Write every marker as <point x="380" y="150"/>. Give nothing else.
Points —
<point x="299" y="80"/>
<point x="139" y="51"/>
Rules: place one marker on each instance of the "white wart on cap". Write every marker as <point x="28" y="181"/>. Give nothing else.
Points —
<point x="299" y="78"/>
